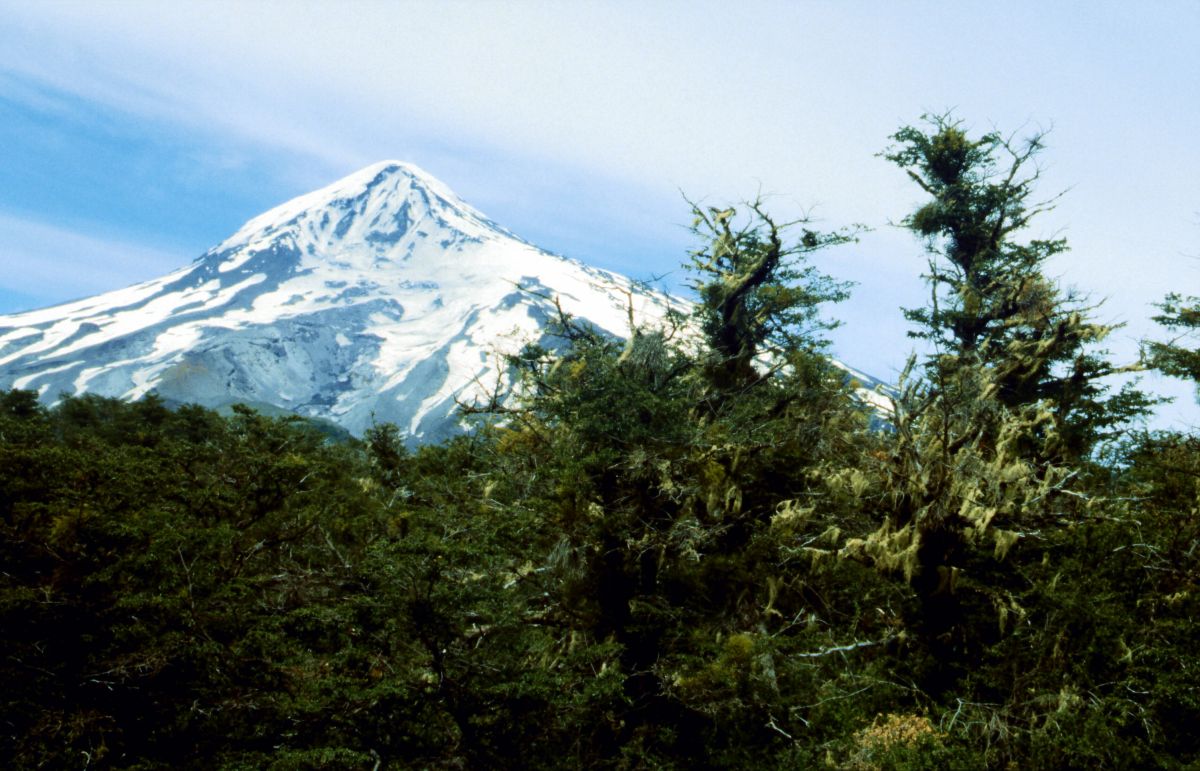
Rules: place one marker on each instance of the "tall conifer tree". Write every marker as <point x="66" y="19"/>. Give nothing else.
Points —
<point x="992" y="307"/>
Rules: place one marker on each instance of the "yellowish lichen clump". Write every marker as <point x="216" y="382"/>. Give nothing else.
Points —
<point x="885" y="735"/>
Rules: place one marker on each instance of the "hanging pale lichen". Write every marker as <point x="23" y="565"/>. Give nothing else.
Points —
<point x="790" y="517"/>
<point x="1004" y="541"/>
<point x="889" y="550"/>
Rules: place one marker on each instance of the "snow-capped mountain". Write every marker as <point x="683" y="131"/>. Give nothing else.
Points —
<point x="383" y="297"/>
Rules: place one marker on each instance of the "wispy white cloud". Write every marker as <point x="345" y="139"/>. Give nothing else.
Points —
<point x="699" y="96"/>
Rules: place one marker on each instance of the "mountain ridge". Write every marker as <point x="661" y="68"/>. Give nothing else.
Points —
<point x="382" y="296"/>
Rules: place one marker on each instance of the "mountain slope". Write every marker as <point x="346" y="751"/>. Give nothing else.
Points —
<point x="382" y="297"/>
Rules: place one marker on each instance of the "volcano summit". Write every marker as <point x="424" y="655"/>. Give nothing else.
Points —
<point x="380" y="298"/>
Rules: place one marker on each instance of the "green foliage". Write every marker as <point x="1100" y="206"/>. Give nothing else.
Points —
<point x="992" y="306"/>
<point x="757" y="295"/>
<point x="1181" y="315"/>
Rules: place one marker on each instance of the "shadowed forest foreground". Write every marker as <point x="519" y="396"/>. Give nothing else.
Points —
<point x="694" y="548"/>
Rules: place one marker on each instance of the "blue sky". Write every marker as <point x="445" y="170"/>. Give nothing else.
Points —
<point x="135" y="135"/>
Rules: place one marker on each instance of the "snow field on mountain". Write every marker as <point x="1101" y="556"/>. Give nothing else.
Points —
<point x="380" y="297"/>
